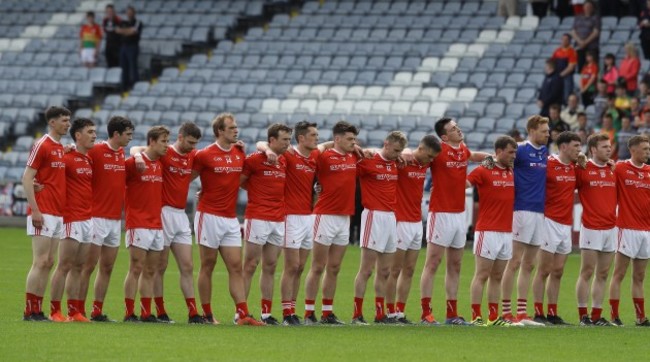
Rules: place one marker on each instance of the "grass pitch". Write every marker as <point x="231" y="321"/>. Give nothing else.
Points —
<point x="118" y="341"/>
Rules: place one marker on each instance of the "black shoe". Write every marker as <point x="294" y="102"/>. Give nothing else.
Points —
<point x="311" y="320"/>
<point x="149" y="319"/>
<point x="101" y="318"/>
<point x="617" y="322"/>
<point x="290" y="321"/>
<point x="556" y="320"/>
<point x="585" y="321"/>
<point x="39" y="317"/>
<point x="602" y="322"/>
<point x="164" y="318"/>
<point x="541" y="319"/>
<point x="359" y="321"/>
<point x="331" y="320"/>
<point x="296" y="319"/>
<point x="131" y="319"/>
<point x="27" y="317"/>
<point x="385" y="320"/>
<point x="643" y="323"/>
<point x="195" y="319"/>
<point x="270" y="321"/>
<point x="403" y="320"/>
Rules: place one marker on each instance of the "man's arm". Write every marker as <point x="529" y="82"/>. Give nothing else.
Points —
<point x="568" y="70"/>
<point x="243" y="181"/>
<point x="136" y="150"/>
<point x="592" y="36"/>
<point x="479" y="156"/>
<point x="28" y="186"/>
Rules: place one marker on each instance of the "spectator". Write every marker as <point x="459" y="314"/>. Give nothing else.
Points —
<point x="555" y="121"/>
<point x="586" y="33"/>
<point x="626" y="132"/>
<point x="507" y="8"/>
<point x="90" y="37"/>
<point x="635" y="108"/>
<point x="516" y="135"/>
<point x="553" y="149"/>
<point x="612" y="111"/>
<point x="583" y="123"/>
<point x="600" y="100"/>
<point x="610" y="73"/>
<point x="643" y="91"/>
<point x="582" y="133"/>
<point x="644" y="24"/>
<point x="570" y="112"/>
<point x="112" y="49"/>
<point x="588" y="77"/>
<point x="540" y="7"/>
<point x="643" y="124"/>
<point x="130" y="30"/>
<point x="629" y="69"/>
<point x="622" y="103"/>
<point x="566" y="60"/>
<point x="551" y="91"/>
<point x="608" y="129"/>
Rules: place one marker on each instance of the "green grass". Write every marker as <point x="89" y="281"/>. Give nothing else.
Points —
<point x="48" y="341"/>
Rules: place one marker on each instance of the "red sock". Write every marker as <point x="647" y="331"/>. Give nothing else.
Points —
<point x="309" y="307"/>
<point x="145" y="307"/>
<point x="160" y="305"/>
<point x="82" y="307"/>
<point x="327" y="307"/>
<point x="426" y="306"/>
<point x="596" y="313"/>
<point x="476" y="311"/>
<point x="207" y="309"/>
<point x="242" y="309"/>
<point x="451" y="308"/>
<point x="539" y="308"/>
<point x="507" y="309"/>
<point x="521" y="306"/>
<point x="38" y="306"/>
<point x="73" y="307"/>
<point x="286" y="308"/>
<point x="552" y="309"/>
<point x="55" y="306"/>
<point x="130" y="307"/>
<point x="493" y="311"/>
<point x="379" y="308"/>
<point x="639" y="308"/>
<point x="30" y="303"/>
<point x="266" y="306"/>
<point x="614" y="304"/>
<point x="400" y="307"/>
<point x="293" y="307"/>
<point x="191" y="307"/>
<point x="97" y="308"/>
<point x="582" y="311"/>
<point x="391" y="308"/>
<point x="358" y="307"/>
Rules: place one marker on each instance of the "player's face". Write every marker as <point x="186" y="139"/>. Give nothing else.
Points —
<point x="230" y="132"/>
<point x="160" y="145"/>
<point x="506" y="156"/>
<point x="603" y="151"/>
<point x="540" y="135"/>
<point x="310" y="139"/>
<point x="573" y="150"/>
<point x="641" y="152"/>
<point x="281" y="144"/>
<point x="60" y="125"/>
<point x="453" y="133"/>
<point x="424" y="155"/>
<point x="392" y="150"/>
<point x="86" y="137"/>
<point x="346" y="141"/>
<point x="186" y="143"/>
<point x="126" y="137"/>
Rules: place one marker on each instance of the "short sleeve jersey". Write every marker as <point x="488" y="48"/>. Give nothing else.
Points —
<point x="563" y="57"/>
<point x="633" y="192"/>
<point x="144" y="194"/>
<point x="378" y="180"/>
<point x="560" y="189"/>
<point x="448" y="173"/>
<point x="265" y="186"/>
<point x="336" y="173"/>
<point x="219" y="171"/>
<point x="79" y="187"/>
<point x="530" y="177"/>
<point x="90" y="35"/>
<point x="597" y="192"/>
<point x="298" y="190"/>
<point x="410" y="187"/>
<point x="496" y="192"/>
<point x="109" y="181"/>
<point x="177" y="176"/>
<point x="46" y="157"/>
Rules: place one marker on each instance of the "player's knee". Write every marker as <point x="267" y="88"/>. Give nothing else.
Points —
<point x="557" y="272"/>
<point x="251" y="265"/>
<point x="106" y="268"/>
<point x="269" y="266"/>
<point x="588" y="271"/>
<point x="638" y="276"/>
<point x="432" y="265"/>
<point x="601" y="275"/>
<point x="300" y="269"/>
<point x="186" y="268"/>
<point x="334" y="269"/>
<point x="528" y="268"/>
<point x="383" y="273"/>
<point x="317" y="269"/>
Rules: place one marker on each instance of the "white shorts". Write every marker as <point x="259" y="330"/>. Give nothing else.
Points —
<point x="106" y="232"/>
<point x="557" y="237"/>
<point x="88" y="55"/>
<point x="493" y="245"/>
<point x="52" y="227"/>
<point x="409" y="235"/>
<point x="599" y="240"/>
<point x="213" y="231"/>
<point x="146" y="239"/>
<point x="332" y="229"/>
<point x="378" y="231"/>
<point x="176" y="226"/>
<point x="81" y="231"/>
<point x="299" y="232"/>
<point x="261" y="232"/>
<point x="447" y="229"/>
<point x="528" y="227"/>
<point x="634" y="243"/>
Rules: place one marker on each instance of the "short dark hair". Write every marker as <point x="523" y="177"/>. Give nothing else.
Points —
<point x="118" y="124"/>
<point x="567" y="35"/>
<point x="592" y="141"/>
<point x="91" y="14"/>
<point x="637" y="140"/>
<point x="431" y="142"/>
<point x="219" y="122"/>
<point x="275" y="129"/>
<point x="78" y="125"/>
<point x="156" y="132"/>
<point x="503" y="141"/>
<point x="440" y="126"/>
<point x="555" y="106"/>
<point x="610" y="56"/>
<point x="567" y="137"/>
<point x="551" y="62"/>
<point x="581" y="114"/>
<point x="343" y="127"/>
<point x="53" y="112"/>
<point x="110" y="6"/>
<point x="302" y="128"/>
<point x="190" y="129"/>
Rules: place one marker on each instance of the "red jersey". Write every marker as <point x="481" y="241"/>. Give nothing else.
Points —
<point x="144" y="194"/>
<point x="177" y="174"/>
<point x="90" y="35"/>
<point x="219" y="170"/>
<point x="298" y="189"/>
<point x="337" y="174"/>
<point x="588" y="71"/>
<point x="410" y="188"/>
<point x="448" y="173"/>
<point x="79" y="187"/>
<point x="560" y="187"/>
<point x="496" y="193"/>
<point x="109" y="181"/>
<point x="265" y="187"/>
<point x="633" y="192"/>
<point x="378" y="180"/>
<point x="564" y="56"/>
<point x="597" y="192"/>
<point x="46" y="157"/>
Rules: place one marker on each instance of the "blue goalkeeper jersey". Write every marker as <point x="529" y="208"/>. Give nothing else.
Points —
<point x="530" y="177"/>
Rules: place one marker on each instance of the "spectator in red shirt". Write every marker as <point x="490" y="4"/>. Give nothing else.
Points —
<point x="588" y="77"/>
<point x="629" y="69"/>
<point x="610" y="73"/>
<point x="566" y="60"/>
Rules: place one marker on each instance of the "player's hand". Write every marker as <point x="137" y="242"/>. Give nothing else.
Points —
<point x="241" y="145"/>
<point x="488" y="162"/>
<point x="407" y="157"/>
<point x="69" y="148"/>
<point x="369" y="153"/>
<point x="140" y="166"/>
<point x="198" y="195"/>
<point x="359" y="151"/>
<point x="582" y="161"/>
<point x="37" y="219"/>
<point x="38" y="187"/>
<point x="318" y="188"/>
<point x="612" y="164"/>
<point x="271" y="157"/>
